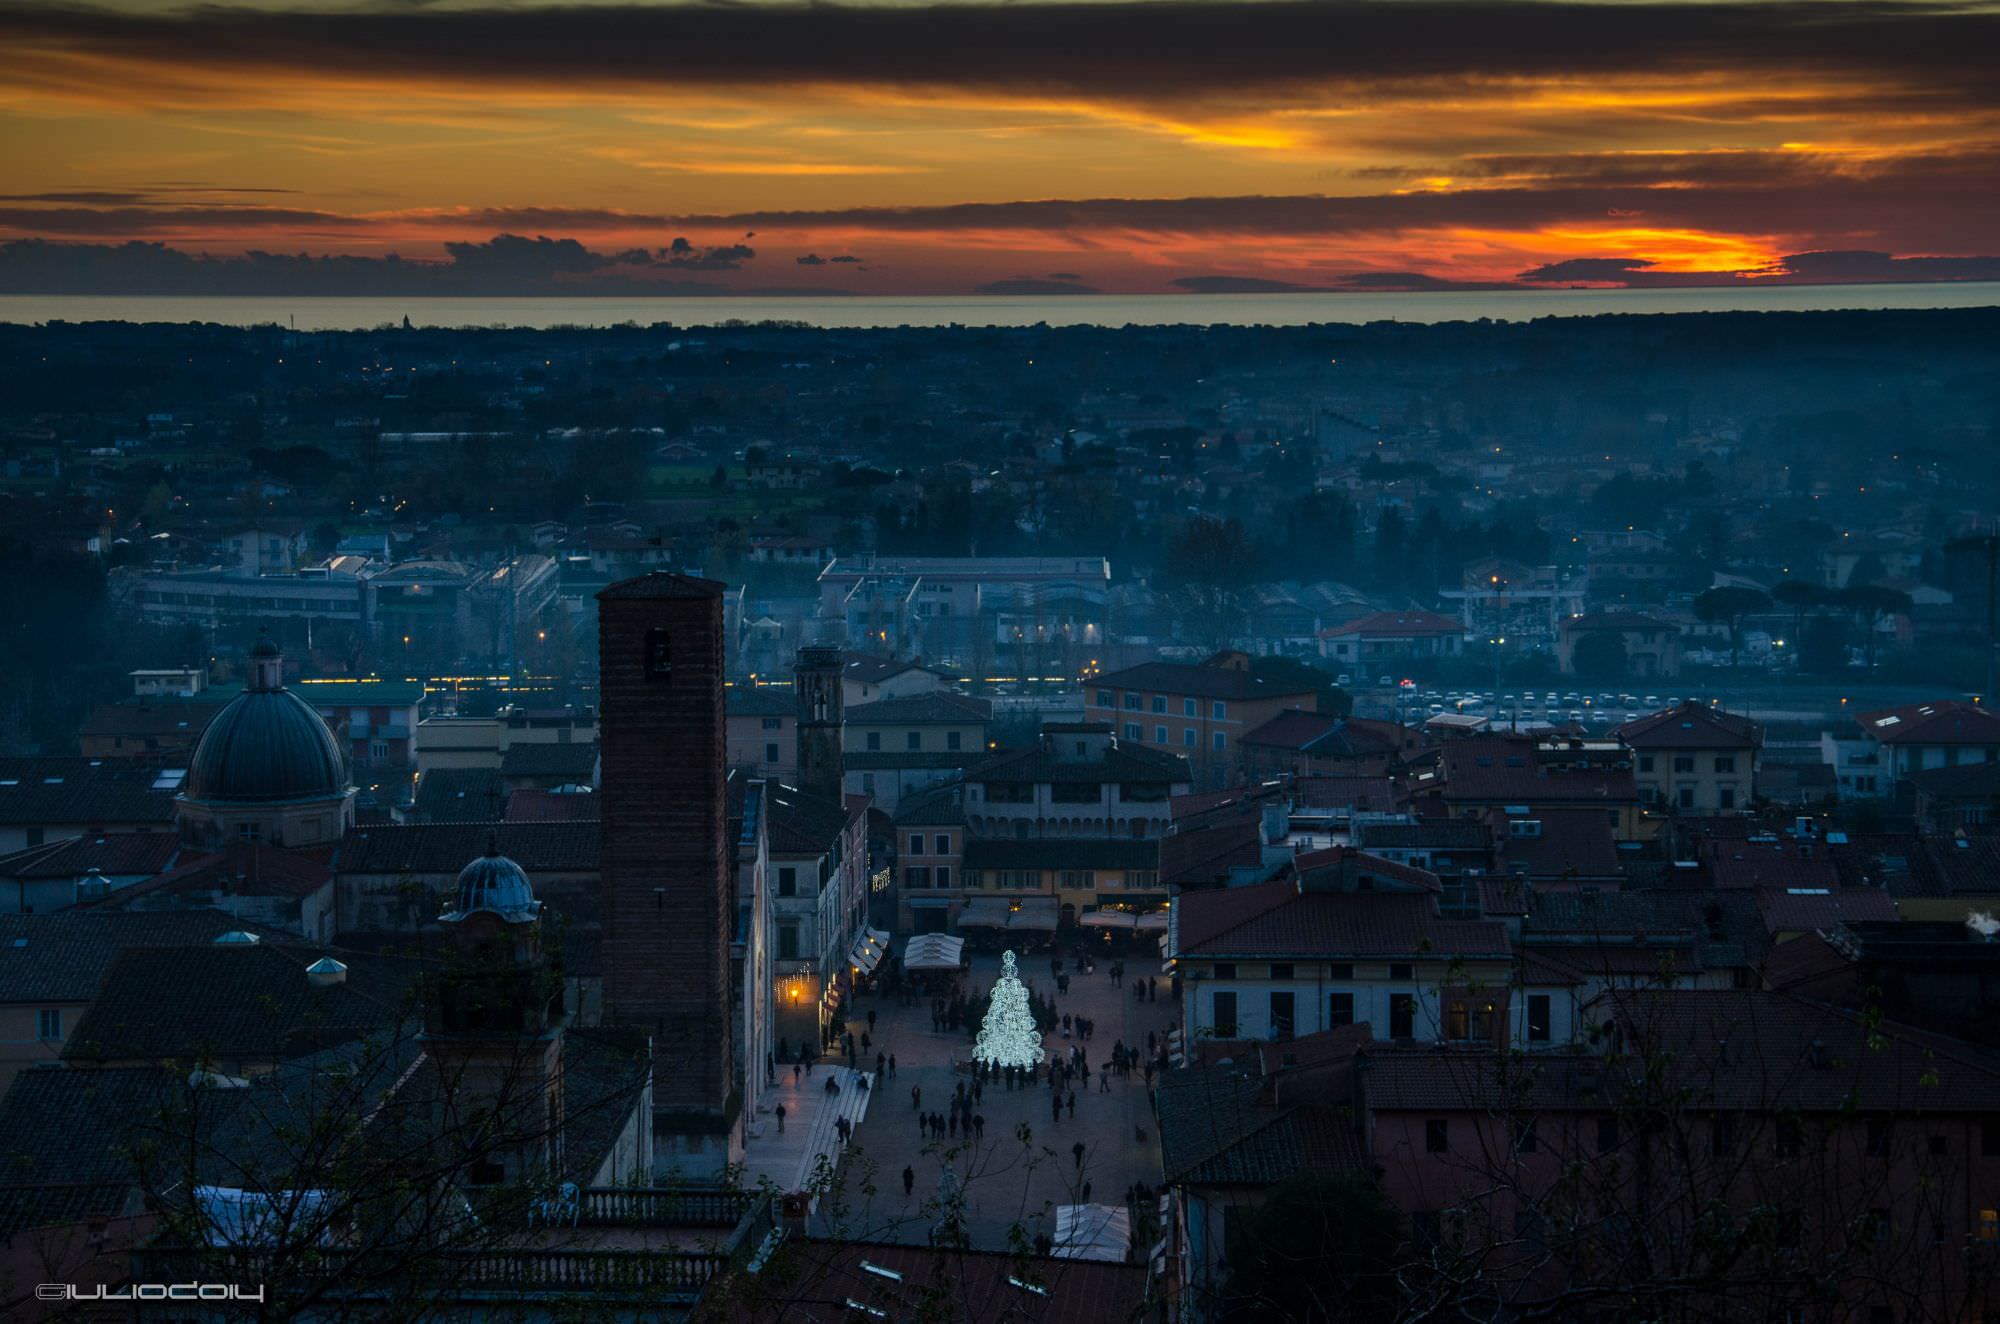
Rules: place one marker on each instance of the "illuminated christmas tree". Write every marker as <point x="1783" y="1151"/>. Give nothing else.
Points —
<point x="1008" y="1037"/>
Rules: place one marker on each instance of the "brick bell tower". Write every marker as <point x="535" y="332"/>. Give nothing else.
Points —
<point x="816" y="681"/>
<point x="668" y="910"/>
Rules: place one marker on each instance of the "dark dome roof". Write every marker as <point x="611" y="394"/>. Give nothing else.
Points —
<point x="494" y="882"/>
<point x="266" y="746"/>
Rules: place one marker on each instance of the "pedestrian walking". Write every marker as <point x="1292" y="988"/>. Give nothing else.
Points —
<point x="865" y="1045"/>
<point x="892" y="1066"/>
<point x="1072" y="1103"/>
<point x="1055" y="1108"/>
<point x="909" y="1180"/>
<point x="953" y="1123"/>
<point x="979" y="1125"/>
<point x="1104" y="1082"/>
<point x="1077" y="1150"/>
<point x="881" y="1063"/>
<point x="916" y="1096"/>
<point x="871" y="1018"/>
<point x="1086" y="1192"/>
<point x="781" y="1119"/>
<point x="795" y="1074"/>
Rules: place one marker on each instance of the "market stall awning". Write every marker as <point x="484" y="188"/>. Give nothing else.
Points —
<point x="1092" y="1232"/>
<point x="1036" y="912"/>
<point x="934" y="951"/>
<point x="1109" y="919"/>
<point x="868" y="951"/>
<point x="1156" y="922"/>
<point x="984" y="912"/>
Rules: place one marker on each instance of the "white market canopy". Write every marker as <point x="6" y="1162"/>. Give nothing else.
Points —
<point x="1109" y="919"/>
<point x="869" y="949"/>
<point x="984" y="912"/>
<point x="934" y="951"/>
<point x="1156" y="922"/>
<point x="1036" y="912"/>
<point x="1092" y="1232"/>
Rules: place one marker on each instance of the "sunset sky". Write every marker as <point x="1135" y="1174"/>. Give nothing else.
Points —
<point x="941" y="147"/>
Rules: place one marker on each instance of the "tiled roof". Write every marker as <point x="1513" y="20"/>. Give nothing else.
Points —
<point x="1350" y="866"/>
<point x="64" y="1127"/>
<point x="937" y="707"/>
<point x="1946" y="722"/>
<point x="934" y="806"/>
<point x="114" y="854"/>
<point x="1572" y="843"/>
<point x="1216" y="1130"/>
<point x="1505" y="770"/>
<point x="1205" y="856"/>
<point x="1276" y="919"/>
<point x="1692" y="726"/>
<point x="461" y="795"/>
<point x="244" y="868"/>
<point x="1196" y="679"/>
<point x="1778" y="864"/>
<point x="1909" y="865"/>
<point x="181" y="718"/>
<point x="25" y="1207"/>
<point x="1368" y="794"/>
<point x="80" y="792"/>
<point x="533" y="804"/>
<point x="800" y="823"/>
<point x="1809" y="964"/>
<point x="1064" y="853"/>
<point x="548" y="758"/>
<point x="1804" y="911"/>
<point x="236" y="1000"/>
<point x="62" y="956"/>
<point x="441" y="848"/>
<point x="1120" y="763"/>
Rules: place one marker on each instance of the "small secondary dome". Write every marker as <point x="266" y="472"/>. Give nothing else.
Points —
<point x="494" y="882"/>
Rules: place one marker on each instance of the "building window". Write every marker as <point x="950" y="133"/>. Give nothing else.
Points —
<point x="774" y="723"/>
<point x="1457" y="1022"/>
<point x="1726" y="797"/>
<point x="1725" y="763"/>
<point x="788" y="881"/>
<point x="942" y="876"/>
<point x="1159" y="703"/>
<point x="1187" y="708"/>
<point x="770" y="753"/>
<point x="1221" y="741"/>
<point x="874" y="740"/>
<point x="972" y="878"/>
<point x="246" y="831"/>
<point x="1339" y="1010"/>
<point x="1402" y="970"/>
<point x="378" y="751"/>
<point x="916" y="843"/>
<point x="1225" y="1014"/>
<point x="1225" y="969"/>
<point x="1132" y="730"/>
<point x="1188" y="736"/>
<point x="914" y="740"/>
<point x="1218" y="711"/>
<point x="1132" y="703"/>
<point x="1282" y="1013"/>
<point x="1079" y="880"/>
<point x="1104" y="698"/>
<point x="1340" y="970"/>
<point x="951" y="739"/>
<point x="1437" y="1136"/>
<point x="48" y="1025"/>
<point x="1281" y="969"/>
<point x="1402" y="1015"/>
<point x="1540" y="1018"/>
<point x="943" y="846"/>
<point x="1683" y="763"/>
<point x="1645" y="763"/>
<point x="1159" y="735"/>
<point x="788" y="942"/>
<point x="916" y="877"/>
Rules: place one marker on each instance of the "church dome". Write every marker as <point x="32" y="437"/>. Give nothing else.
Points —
<point x="267" y="746"/>
<point x="494" y="882"/>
